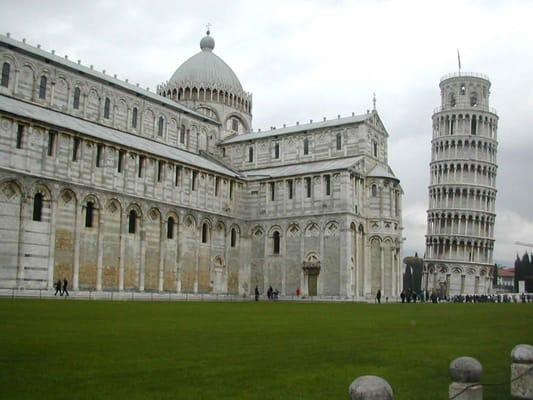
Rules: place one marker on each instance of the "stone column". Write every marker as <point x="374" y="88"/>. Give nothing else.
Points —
<point x="52" y="243"/>
<point x="466" y="374"/>
<point x="382" y="266"/>
<point x="77" y="235"/>
<point x="179" y="246"/>
<point x="16" y="83"/>
<point x="394" y="272"/>
<point x="522" y="372"/>
<point x="123" y="225"/>
<point x="142" y="257"/>
<point x="161" y="254"/>
<point x="197" y="254"/>
<point x="24" y="206"/>
<point x="367" y="284"/>
<point x="100" y="251"/>
<point x="52" y="92"/>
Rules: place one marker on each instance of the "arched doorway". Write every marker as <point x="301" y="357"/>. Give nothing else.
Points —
<point x="311" y="268"/>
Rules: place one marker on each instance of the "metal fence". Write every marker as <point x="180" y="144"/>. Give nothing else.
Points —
<point x="15" y="293"/>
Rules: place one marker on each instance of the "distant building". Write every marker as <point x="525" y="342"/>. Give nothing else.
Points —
<point x="115" y="187"/>
<point x="506" y="278"/>
<point x="462" y="189"/>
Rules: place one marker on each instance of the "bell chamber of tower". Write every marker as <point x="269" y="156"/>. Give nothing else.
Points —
<point x="462" y="190"/>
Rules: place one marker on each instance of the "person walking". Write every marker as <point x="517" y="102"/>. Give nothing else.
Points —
<point x="378" y="296"/>
<point x="58" y="288"/>
<point x="65" y="285"/>
<point x="256" y="294"/>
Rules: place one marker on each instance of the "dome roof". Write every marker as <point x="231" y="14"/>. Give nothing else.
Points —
<point x="206" y="69"/>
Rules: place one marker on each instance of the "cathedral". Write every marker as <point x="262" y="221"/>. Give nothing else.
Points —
<point x="118" y="188"/>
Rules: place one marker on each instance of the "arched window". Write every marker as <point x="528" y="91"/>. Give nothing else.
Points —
<point x="76" y="103"/>
<point x="473" y="99"/>
<point x="38" y="207"/>
<point x="170" y="228"/>
<point x="473" y="125"/>
<point x="6" y="68"/>
<point x="42" y="87"/>
<point x="275" y="244"/>
<point x="160" y="125"/>
<point x="182" y="134"/>
<point x="107" y="106"/>
<point x="235" y="124"/>
<point x="276" y="150"/>
<point x="233" y="237"/>
<point x="375" y="149"/>
<point x="452" y="100"/>
<point x="132" y="221"/>
<point x="374" y="191"/>
<point x="89" y="212"/>
<point x="339" y="141"/>
<point x="134" y="117"/>
<point x="306" y="146"/>
<point x="308" y="187"/>
<point x="463" y="89"/>
<point x="205" y="232"/>
<point x="327" y="181"/>
<point x="250" y="154"/>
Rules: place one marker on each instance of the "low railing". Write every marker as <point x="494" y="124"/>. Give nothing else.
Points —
<point x="463" y="108"/>
<point x="465" y="373"/>
<point x="15" y="293"/>
<point x="464" y="74"/>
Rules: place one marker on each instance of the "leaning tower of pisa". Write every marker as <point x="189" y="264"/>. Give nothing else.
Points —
<point x="462" y="190"/>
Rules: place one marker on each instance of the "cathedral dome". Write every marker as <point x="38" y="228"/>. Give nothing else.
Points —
<point x="206" y="69"/>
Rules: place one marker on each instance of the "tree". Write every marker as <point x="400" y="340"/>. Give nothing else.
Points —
<point x="495" y="275"/>
<point x="517" y="272"/>
<point x="412" y="278"/>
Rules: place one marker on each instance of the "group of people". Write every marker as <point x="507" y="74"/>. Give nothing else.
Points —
<point x="271" y="293"/>
<point x="493" y="298"/>
<point x="61" y="287"/>
<point x="424" y="296"/>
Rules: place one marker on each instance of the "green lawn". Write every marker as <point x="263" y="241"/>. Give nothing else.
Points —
<point x="139" y="350"/>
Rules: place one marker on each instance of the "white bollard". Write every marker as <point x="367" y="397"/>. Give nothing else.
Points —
<point x="370" y="387"/>
<point x="466" y="375"/>
<point x="522" y="366"/>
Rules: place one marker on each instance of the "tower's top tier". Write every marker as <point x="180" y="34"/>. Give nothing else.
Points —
<point x="465" y="90"/>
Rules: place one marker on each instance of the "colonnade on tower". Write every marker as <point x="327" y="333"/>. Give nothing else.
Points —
<point x="462" y="189"/>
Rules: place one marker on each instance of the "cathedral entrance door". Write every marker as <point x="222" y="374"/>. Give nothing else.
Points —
<point x="311" y="284"/>
<point x="311" y="271"/>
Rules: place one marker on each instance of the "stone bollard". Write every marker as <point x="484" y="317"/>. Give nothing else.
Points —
<point x="466" y="375"/>
<point x="522" y="361"/>
<point x="370" y="387"/>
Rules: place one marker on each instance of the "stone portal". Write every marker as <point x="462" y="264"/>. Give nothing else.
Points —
<point x="311" y="271"/>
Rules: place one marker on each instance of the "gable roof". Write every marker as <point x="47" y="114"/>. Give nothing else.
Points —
<point x="305" y="168"/>
<point x="379" y="171"/>
<point x="68" y="122"/>
<point x="101" y="76"/>
<point x="331" y="123"/>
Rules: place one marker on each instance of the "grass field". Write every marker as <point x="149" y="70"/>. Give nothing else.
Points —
<point x="138" y="350"/>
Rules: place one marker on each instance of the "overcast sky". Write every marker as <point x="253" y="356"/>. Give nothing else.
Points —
<point x="309" y="59"/>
